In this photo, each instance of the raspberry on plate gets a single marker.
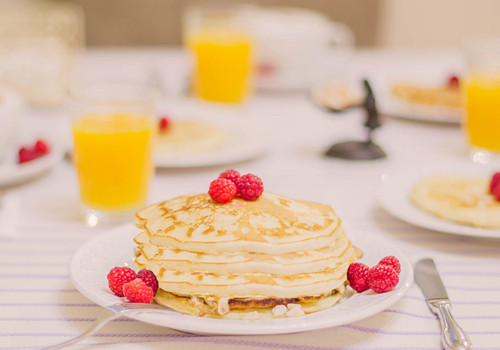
(454, 81)
(496, 193)
(164, 123)
(230, 174)
(391, 261)
(26, 155)
(382, 278)
(250, 187)
(357, 274)
(495, 181)
(29, 153)
(42, 147)
(137, 291)
(222, 190)
(148, 277)
(118, 276)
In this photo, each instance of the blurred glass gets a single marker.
(482, 98)
(218, 36)
(113, 135)
(39, 40)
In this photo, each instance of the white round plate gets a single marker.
(92, 262)
(242, 145)
(12, 173)
(394, 191)
(390, 106)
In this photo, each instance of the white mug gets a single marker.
(296, 46)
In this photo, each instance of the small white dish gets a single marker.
(393, 195)
(91, 263)
(12, 173)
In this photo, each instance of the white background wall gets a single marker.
(436, 23)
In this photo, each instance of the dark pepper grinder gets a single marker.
(362, 150)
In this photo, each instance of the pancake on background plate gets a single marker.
(184, 137)
(273, 257)
(443, 96)
(464, 200)
(441, 102)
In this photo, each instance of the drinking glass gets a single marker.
(112, 127)
(219, 38)
(482, 99)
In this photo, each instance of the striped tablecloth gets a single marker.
(39, 305)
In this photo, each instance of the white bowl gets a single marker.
(11, 107)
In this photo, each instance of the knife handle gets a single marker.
(452, 335)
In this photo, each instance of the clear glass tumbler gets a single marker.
(482, 99)
(112, 126)
(219, 39)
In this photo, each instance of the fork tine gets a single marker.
(135, 306)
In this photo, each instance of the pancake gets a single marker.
(190, 137)
(444, 96)
(244, 258)
(465, 200)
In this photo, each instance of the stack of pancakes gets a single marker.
(227, 260)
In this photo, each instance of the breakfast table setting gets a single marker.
(125, 184)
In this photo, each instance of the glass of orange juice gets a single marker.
(112, 126)
(482, 99)
(221, 45)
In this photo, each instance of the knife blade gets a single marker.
(427, 278)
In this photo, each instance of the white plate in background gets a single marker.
(391, 106)
(242, 143)
(393, 195)
(12, 173)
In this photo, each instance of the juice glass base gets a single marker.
(93, 217)
(484, 156)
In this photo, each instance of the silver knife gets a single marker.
(427, 278)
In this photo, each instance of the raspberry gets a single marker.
(26, 155)
(496, 193)
(230, 174)
(164, 123)
(41, 147)
(453, 81)
(222, 190)
(495, 180)
(250, 187)
(117, 277)
(138, 292)
(266, 69)
(357, 274)
(148, 277)
(382, 278)
(391, 261)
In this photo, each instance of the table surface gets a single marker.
(39, 305)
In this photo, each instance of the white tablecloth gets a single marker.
(39, 306)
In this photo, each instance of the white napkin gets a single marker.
(9, 213)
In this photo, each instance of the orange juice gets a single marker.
(482, 124)
(222, 65)
(112, 154)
